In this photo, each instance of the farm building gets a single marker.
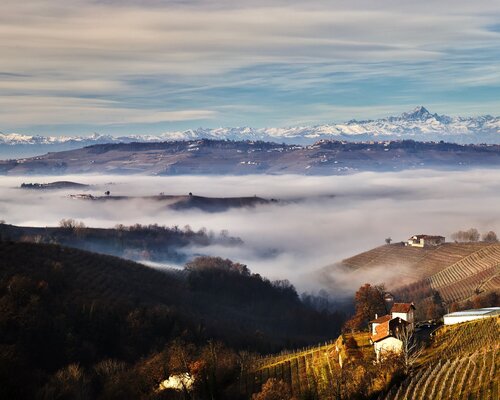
(425, 240)
(470, 315)
(385, 330)
(385, 338)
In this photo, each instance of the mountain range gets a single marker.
(418, 124)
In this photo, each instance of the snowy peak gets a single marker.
(418, 124)
(418, 113)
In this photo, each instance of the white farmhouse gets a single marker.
(425, 241)
(385, 330)
(470, 315)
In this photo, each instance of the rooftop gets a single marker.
(387, 329)
(383, 318)
(427, 237)
(402, 307)
(478, 312)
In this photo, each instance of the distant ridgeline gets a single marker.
(256, 157)
(184, 202)
(138, 242)
(54, 185)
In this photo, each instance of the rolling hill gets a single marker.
(460, 362)
(138, 242)
(458, 271)
(61, 307)
(250, 157)
(184, 202)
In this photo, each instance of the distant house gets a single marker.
(425, 241)
(470, 315)
(385, 330)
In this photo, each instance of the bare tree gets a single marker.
(411, 348)
(471, 235)
(490, 237)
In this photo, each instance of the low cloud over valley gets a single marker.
(319, 220)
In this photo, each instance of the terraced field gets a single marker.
(457, 270)
(463, 278)
(314, 371)
(462, 363)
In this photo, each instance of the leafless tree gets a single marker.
(471, 235)
(411, 348)
(490, 237)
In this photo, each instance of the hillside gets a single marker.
(54, 185)
(138, 242)
(254, 157)
(318, 372)
(61, 306)
(461, 363)
(457, 271)
(184, 202)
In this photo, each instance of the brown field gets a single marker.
(457, 270)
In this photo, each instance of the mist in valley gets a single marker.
(317, 222)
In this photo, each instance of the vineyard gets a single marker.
(315, 371)
(469, 377)
(461, 279)
(457, 271)
(461, 363)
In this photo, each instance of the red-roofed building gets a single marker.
(385, 329)
(386, 337)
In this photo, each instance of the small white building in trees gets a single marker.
(470, 315)
(425, 240)
(387, 329)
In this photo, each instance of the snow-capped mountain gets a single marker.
(418, 124)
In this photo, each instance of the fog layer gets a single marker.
(307, 231)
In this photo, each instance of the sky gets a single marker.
(151, 66)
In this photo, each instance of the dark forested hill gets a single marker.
(63, 307)
(249, 157)
(137, 242)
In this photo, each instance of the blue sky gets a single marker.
(132, 67)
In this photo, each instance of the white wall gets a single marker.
(462, 318)
(390, 344)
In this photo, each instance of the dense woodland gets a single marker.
(74, 324)
(136, 242)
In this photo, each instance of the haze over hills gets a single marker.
(209, 157)
(418, 124)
